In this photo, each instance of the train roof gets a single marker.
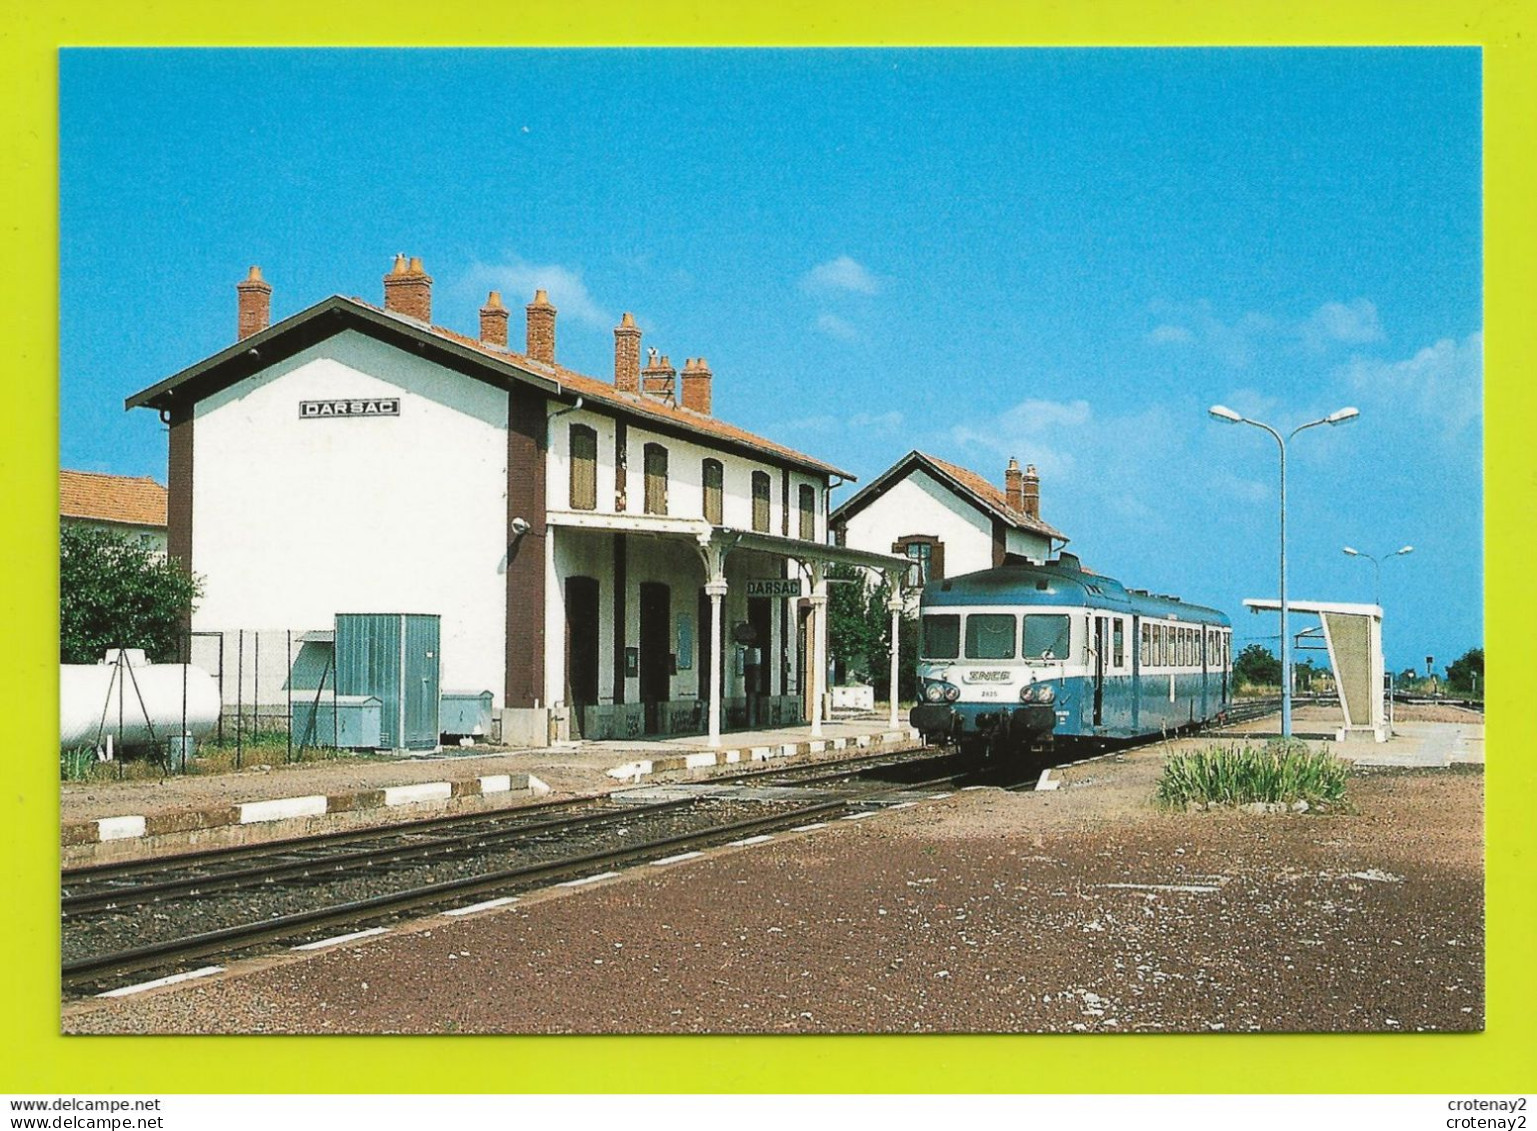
(1061, 581)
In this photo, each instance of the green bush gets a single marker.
(1280, 772)
(115, 592)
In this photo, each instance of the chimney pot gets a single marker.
(1032, 492)
(541, 328)
(627, 355)
(493, 321)
(659, 378)
(696, 385)
(253, 304)
(1014, 486)
(408, 289)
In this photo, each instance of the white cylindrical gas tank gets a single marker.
(136, 706)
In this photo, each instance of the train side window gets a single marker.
(941, 636)
(1145, 644)
(1118, 643)
(990, 636)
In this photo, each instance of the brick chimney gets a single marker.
(627, 355)
(1032, 492)
(696, 385)
(254, 304)
(541, 329)
(493, 321)
(408, 289)
(658, 378)
(1014, 485)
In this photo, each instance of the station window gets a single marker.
(584, 468)
(713, 477)
(760, 501)
(1118, 643)
(990, 636)
(941, 636)
(656, 479)
(808, 511)
(927, 555)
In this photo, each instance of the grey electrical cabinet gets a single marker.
(395, 658)
(348, 721)
(466, 713)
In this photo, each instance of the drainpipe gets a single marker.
(549, 420)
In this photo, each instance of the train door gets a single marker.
(1205, 641)
(655, 654)
(1101, 646)
(1226, 664)
(1136, 673)
(581, 646)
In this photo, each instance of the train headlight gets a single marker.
(1037, 693)
(934, 692)
(952, 693)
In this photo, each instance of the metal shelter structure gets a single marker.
(1353, 638)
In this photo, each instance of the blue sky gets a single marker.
(1065, 256)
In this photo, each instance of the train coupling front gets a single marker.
(1021, 726)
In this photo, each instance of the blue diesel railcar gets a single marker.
(1014, 659)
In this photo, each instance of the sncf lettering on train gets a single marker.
(352, 407)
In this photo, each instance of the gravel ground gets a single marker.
(1081, 909)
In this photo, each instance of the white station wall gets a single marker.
(295, 520)
(669, 561)
(917, 504)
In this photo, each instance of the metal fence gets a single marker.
(275, 687)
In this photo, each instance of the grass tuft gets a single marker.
(1280, 772)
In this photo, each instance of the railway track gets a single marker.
(158, 917)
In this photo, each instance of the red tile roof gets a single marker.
(994, 497)
(595, 389)
(134, 500)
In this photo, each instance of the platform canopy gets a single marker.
(1353, 637)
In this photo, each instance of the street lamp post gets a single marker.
(1228, 416)
(1377, 568)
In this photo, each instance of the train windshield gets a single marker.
(941, 637)
(1047, 636)
(990, 636)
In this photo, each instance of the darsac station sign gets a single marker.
(375, 406)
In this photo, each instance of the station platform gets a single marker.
(114, 820)
(1414, 742)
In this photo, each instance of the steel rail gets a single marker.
(85, 970)
(298, 844)
(345, 861)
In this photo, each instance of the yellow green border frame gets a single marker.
(36, 1059)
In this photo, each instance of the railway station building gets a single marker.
(606, 556)
(946, 520)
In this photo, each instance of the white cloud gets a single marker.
(518, 279)
(1234, 344)
(879, 423)
(822, 423)
(841, 274)
(1444, 381)
(1168, 334)
(835, 327)
(1353, 323)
